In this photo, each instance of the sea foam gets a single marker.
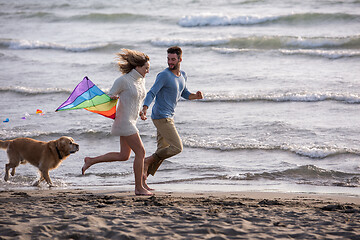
(301, 96)
(316, 152)
(20, 44)
(219, 19)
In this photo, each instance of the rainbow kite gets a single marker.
(87, 95)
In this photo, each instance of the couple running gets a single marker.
(169, 87)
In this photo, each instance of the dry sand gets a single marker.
(79, 214)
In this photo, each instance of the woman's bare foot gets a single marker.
(86, 165)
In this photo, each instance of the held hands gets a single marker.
(143, 113)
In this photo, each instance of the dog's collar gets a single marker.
(58, 152)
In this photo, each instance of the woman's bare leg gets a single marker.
(135, 143)
(123, 155)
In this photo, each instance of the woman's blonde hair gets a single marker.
(130, 59)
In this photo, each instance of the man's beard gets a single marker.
(175, 67)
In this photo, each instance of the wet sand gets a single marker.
(89, 214)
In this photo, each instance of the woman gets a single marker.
(130, 90)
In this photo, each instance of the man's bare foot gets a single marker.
(143, 192)
(86, 165)
(146, 186)
(147, 162)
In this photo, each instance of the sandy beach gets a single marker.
(107, 214)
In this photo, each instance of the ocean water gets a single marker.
(281, 81)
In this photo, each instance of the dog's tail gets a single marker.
(4, 144)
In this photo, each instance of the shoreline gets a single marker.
(109, 214)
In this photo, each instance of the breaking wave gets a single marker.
(300, 96)
(23, 44)
(307, 174)
(318, 152)
(327, 47)
(330, 47)
(324, 53)
(291, 42)
(348, 98)
(34, 91)
(266, 42)
(89, 133)
(208, 19)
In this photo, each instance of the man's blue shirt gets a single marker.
(167, 91)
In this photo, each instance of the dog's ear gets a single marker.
(52, 146)
(63, 144)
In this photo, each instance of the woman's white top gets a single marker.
(130, 88)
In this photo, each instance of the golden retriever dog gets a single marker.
(43, 155)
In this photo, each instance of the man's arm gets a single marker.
(197, 95)
(159, 83)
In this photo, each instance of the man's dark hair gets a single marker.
(175, 49)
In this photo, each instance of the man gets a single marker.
(169, 87)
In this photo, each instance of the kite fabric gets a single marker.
(88, 96)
